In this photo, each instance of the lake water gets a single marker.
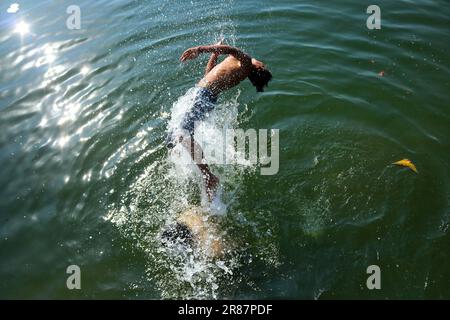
(86, 179)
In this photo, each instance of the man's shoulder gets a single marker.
(245, 62)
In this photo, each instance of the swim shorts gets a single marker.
(204, 102)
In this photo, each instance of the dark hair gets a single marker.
(260, 78)
(178, 233)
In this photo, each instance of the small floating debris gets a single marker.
(406, 163)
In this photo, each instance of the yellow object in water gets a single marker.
(406, 163)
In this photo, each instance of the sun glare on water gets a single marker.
(85, 70)
(22, 28)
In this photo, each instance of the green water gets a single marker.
(86, 180)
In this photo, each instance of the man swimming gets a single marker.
(235, 68)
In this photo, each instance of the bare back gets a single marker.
(227, 74)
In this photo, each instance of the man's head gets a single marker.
(193, 229)
(259, 75)
(178, 233)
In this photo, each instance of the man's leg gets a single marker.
(210, 181)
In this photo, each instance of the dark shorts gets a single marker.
(203, 103)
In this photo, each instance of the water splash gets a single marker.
(169, 186)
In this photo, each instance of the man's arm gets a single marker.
(212, 60)
(193, 53)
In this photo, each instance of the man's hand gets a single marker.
(190, 54)
(213, 59)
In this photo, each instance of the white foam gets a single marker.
(224, 116)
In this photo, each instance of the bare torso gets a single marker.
(227, 74)
(218, 78)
